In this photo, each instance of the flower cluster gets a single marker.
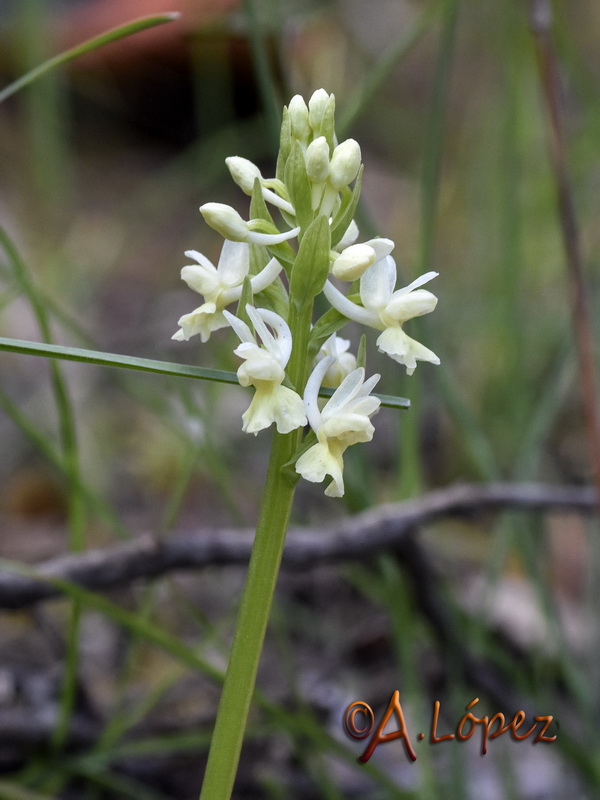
(275, 285)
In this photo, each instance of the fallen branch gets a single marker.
(353, 538)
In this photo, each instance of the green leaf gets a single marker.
(311, 267)
(114, 360)
(361, 357)
(86, 47)
(246, 298)
(298, 185)
(328, 123)
(283, 252)
(331, 322)
(259, 256)
(340, 226)
(258, 207)
(274, 297)
(144, 365)
(285, 144)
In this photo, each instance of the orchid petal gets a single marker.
(266, 276)
(267, 338)
(254, 237)
(234, 263)
(420, 281)
(348, 308)
(403, 307)
(311, 392)
(348, 388)
(239, 326)
(377, 284)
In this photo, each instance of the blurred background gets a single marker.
(103, 165)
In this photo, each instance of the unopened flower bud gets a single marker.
(353, 262)
(299, 118)
(243, 172)
(226, 221)
(345, 163)
(317, 160)
(316, 109)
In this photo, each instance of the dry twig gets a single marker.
(353, 538)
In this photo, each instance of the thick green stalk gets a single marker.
(258, 593)
(251, 626)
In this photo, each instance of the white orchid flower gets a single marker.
(245, 172)
(226, 221)
(298, 112)
(220, 285)
(343, 363)
(317, 106)
(343, 421)
(387, 310)
(343, 169)
(353, 261)
(264, 368)
(344, 164)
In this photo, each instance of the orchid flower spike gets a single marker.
(343, 421)
(264, 368)
(387, 310)
(220, 285)
(226, 221)
(343, 363)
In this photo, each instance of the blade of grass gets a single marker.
(46, 119)
(312, 760)
(116, 360)
(70, 456)
(356, 106)
(46, 447)
(86, 47)
(12, 791)
(266, 83)
(410, 476)
(295, 724)
(119, 785)
(149, 365)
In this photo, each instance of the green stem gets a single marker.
(251, 626)
(258, 593)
